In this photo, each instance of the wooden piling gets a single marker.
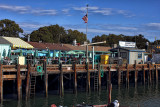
(1, 84)
(88, 78)
(156, 73)
(109, 74)
(45, 78)
(19, 83)
(61, 81)
(99, 77)
(127, 78)
(28, 82)
(75, 79)
(109, 92)
(136, 74)
(144, 74)
(119, 76)
(150, 75)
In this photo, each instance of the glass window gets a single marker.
(123, 54)
(139, 55)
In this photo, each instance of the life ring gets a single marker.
(39, 69)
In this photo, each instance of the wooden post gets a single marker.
(61, 81)
(1, 84)
(88, 78)
(109, 92)
(45, 78)
(136, 74)
(127, 66)
(75, 79)
(19, 83)
(99, 76)
(144, 74)
(119, 76)
(150, 75)
(28, 82)
(156, 74)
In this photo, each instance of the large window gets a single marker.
(123, 54)
(139, 55)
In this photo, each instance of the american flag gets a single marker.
(85, 18)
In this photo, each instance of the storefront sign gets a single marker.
(127, 44)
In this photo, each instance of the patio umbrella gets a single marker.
(71, 52)
(80, 52)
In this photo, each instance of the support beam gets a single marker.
(150, 74)
(127, 76)
(1, 83)
(136, 74)
(88, 78)
(144, 75)
(28, 81)
(156, 73)
(75, 79)
(19, 83)
(45, 78)
(99, 77)
(119, 76)
(61, 81)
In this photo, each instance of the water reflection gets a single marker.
(145, 96)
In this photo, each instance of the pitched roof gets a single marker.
(66, 47)
(4, 41)
(50, 46)
(18, 43)
(83, 48)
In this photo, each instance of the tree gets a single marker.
(57, 34)
(9, 28)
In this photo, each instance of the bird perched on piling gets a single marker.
(114, 104)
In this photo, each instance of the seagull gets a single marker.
(114, 104)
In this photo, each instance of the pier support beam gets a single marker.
(156, 73)
(75, 79)
(19, 83)
(61, 81)
(144, 75)
(88, 78)
(119, 76)
(99, 77)
(1, 84)
(127, 76)
(28, 81)
(150, 74)
(45, 78)
(136, 74)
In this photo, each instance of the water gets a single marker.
(145, 96)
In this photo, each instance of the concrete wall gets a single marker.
(134, 56)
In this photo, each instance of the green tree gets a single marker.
(9, 28)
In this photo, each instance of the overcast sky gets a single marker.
(128, 17)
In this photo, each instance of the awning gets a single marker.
(18, 43)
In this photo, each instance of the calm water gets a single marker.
(145, 96)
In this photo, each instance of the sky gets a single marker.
(127, 17)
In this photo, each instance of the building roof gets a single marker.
(67, 47)
(128, 49)
(4, 41)
(18, 43)
(50, 46)
(83, 48)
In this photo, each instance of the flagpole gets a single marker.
(86, 37)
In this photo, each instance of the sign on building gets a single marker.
(127, 44)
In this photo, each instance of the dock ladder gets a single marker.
(32, 85)
(96, 80)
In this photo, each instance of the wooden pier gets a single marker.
(122, 73)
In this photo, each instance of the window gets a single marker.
(123, 54)
(139, 55)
